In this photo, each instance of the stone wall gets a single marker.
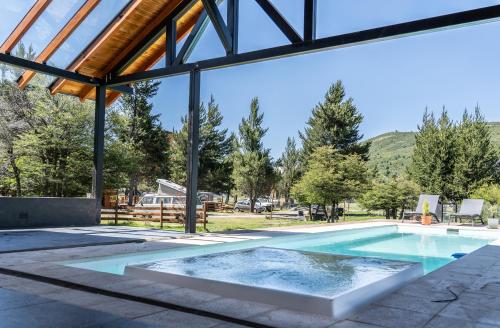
(46, 212)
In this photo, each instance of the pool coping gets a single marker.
(40, 265)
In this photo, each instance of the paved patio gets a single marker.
(35, 291)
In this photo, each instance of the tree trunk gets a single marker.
(333, 215)
(15, 170)
(132, 189)
(252, 205)
(310, 212)
(402, 212)
(394, 213)
(387, 213)
(326, 213)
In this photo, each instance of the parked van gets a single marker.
(154, 200)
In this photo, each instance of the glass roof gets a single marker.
(93, 25)
(11, 14)
(53, 19)
(49, 24)
(334, 17)
(345, 16)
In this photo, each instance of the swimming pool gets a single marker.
(433, 250)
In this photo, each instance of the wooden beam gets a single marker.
(147, 37)
(113, 26)
(112, 66)
(59, 39)
(24, 25)
(137, 40)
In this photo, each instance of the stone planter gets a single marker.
(493, 223)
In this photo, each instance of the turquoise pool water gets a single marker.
(386, 242)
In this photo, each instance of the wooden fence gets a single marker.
(218, 207)
(162, 214)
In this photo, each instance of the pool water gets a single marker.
(386, 242)
(318, 273)
(433, 251)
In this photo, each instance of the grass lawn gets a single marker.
(230, 222)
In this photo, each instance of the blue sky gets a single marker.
(391, 82)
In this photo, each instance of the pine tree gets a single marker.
(253, 170)
(453, 159)
(147, 136)
(475, 162)
(335, 122)
(215, 149)
(289, 168)
(434, 155)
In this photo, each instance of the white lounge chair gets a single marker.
(435, 207)
(470, 209)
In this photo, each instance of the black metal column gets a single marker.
(100, 107)
(192, 155)
(233, 10)
(171, 31)
(310, 20)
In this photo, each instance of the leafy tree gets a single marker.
(15, 116)
(335, 122)
(215, 149)
(331, 177)
(289, 166)
(390, 195)
(55, 153)
(491, 194)
(15, 112)
(253, 172)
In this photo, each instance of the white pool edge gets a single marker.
(338, 307)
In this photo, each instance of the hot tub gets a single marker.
(320, 283)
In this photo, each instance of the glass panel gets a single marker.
(345, 16)
(11, 14)
(257, 30)
(87, 31)
(48, 25)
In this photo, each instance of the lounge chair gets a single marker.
(435, 207)
(470, 209)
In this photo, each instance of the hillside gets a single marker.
(391, 152)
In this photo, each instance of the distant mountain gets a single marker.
(391, 152)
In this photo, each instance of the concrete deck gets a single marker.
(37, 292)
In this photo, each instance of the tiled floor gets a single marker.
(51, 306)
(53, 295)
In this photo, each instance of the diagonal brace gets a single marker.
(192, 39)
(280, 21)
(219, 24)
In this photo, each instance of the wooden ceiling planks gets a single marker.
(59, 39)
(156, 51)
(28, 20)
(121, 38)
